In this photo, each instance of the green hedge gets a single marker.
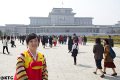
(115, 38)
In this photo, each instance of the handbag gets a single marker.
(75, 51)
(112, 53)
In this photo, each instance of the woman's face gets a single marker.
(104, 41)
(33, 43)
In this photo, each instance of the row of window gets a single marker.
(59, 30)
(60, 22)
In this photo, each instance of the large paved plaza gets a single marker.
(60, 63)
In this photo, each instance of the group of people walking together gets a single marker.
(103, 52)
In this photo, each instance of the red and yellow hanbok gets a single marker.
(27, 68)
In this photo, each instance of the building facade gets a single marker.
(60, 21)
(61, 17)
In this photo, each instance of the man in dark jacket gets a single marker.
(70, 43)
(111, 42)
(98, 51)
(50, 41)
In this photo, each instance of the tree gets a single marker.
(1, 33)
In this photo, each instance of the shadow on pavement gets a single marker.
(81, 52)
(86, 66)
(54, 48)
(86, 45)
(1, 52)
(112, 78)
(5, 53)
(117, 56)
(46, 48)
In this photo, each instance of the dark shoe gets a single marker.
(102, 76)
(8, 52)
(104, 72)
(74, 63)
(94, 72)
(69, 51)
(3, 53)
(114, 74)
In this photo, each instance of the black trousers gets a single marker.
(6, 48)
(13, 45)
(74, 59)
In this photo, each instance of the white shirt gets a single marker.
(75, 46)
(5, 42)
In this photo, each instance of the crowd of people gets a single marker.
(101, 52)
(45, 40)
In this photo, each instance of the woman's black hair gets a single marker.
(31, 36)
(98, 41)
(107, 41)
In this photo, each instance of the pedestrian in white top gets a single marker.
(75, 50)
(5, 45)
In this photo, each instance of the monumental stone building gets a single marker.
(60, 21)
(61, 17)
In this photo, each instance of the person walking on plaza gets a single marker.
(61, 39)
(70, 43)
(5, 44)
(84, 40)
(46, 40)
(64, 39)
(23, 39)
(98, 51)
(43, 41)
(80, 40)
(31, 64)
(111, 42)
(50, 41)
(2, 38)
(108, 61)
(75, 38)
(13, 42)
(54, 40)
(75, 51)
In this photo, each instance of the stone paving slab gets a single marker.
(60, 62)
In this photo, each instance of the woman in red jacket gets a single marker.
(31, 64)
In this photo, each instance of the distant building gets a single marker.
(61, 21)
(61, 17)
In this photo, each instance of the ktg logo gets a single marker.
(6, 77)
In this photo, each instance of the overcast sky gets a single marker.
(104, 12)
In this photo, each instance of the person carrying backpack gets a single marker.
(108, 60)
